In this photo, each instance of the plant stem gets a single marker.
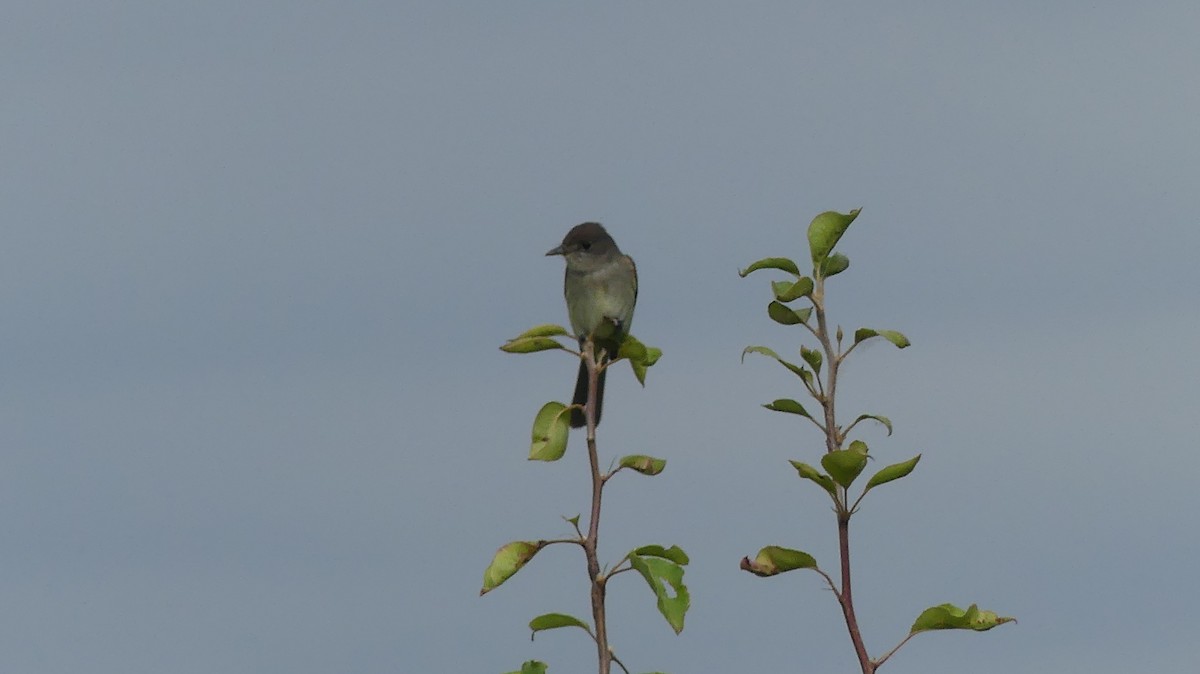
(846, 596)
(833, 442)
(590, 543)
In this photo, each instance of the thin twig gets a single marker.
(833, 443)
(882, 660)
(590, 542)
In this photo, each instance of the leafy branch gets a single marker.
(662, 568)
(842, 463)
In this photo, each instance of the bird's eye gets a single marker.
(585, 245)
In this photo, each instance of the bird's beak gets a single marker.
(556, 251)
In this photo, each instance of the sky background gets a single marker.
(257, 258)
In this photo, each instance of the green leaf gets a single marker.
(785, 315)
(771, 263)
(863, 334)
(653, 353)
(774, 560)
(574, 521)
(950, 617)
(640, 356)
(763, 350)
(659, 574)
(876, 417)
(551, 427)
(550, 621)
(646, 465)
(844, 465)
(858, 446)
(809, 473)
(531, 667)
(825, 231)
(546, 330)
(892, 472)
(796, 369)
(673, 553)
(531, 345)
(812, 357)
(834, 265)
(507, 561)
(786, 291)
(803, 374)
(788, 405)
(631, 348)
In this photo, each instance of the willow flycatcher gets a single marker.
(601, 287)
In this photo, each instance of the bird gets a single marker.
(600, 286)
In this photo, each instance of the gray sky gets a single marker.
(258, 256)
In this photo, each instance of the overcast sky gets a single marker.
(257, 257)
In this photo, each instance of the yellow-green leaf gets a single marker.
(545, 330)
(892, 472)
(673, 553)
(786, 291)
(550, 621)
(825, 230)
(950, 617)
(844, 465)
(774, 560)
(507, 561)
(892, 336)
(788, 405)
(661, 574)
(820, 479)
(646, 465)
(531, 345)
(771, 263)
(551, 427)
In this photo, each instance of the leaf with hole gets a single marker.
(665, 578)
(673, 553)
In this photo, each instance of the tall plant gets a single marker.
(661, 567)
(843, 460)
